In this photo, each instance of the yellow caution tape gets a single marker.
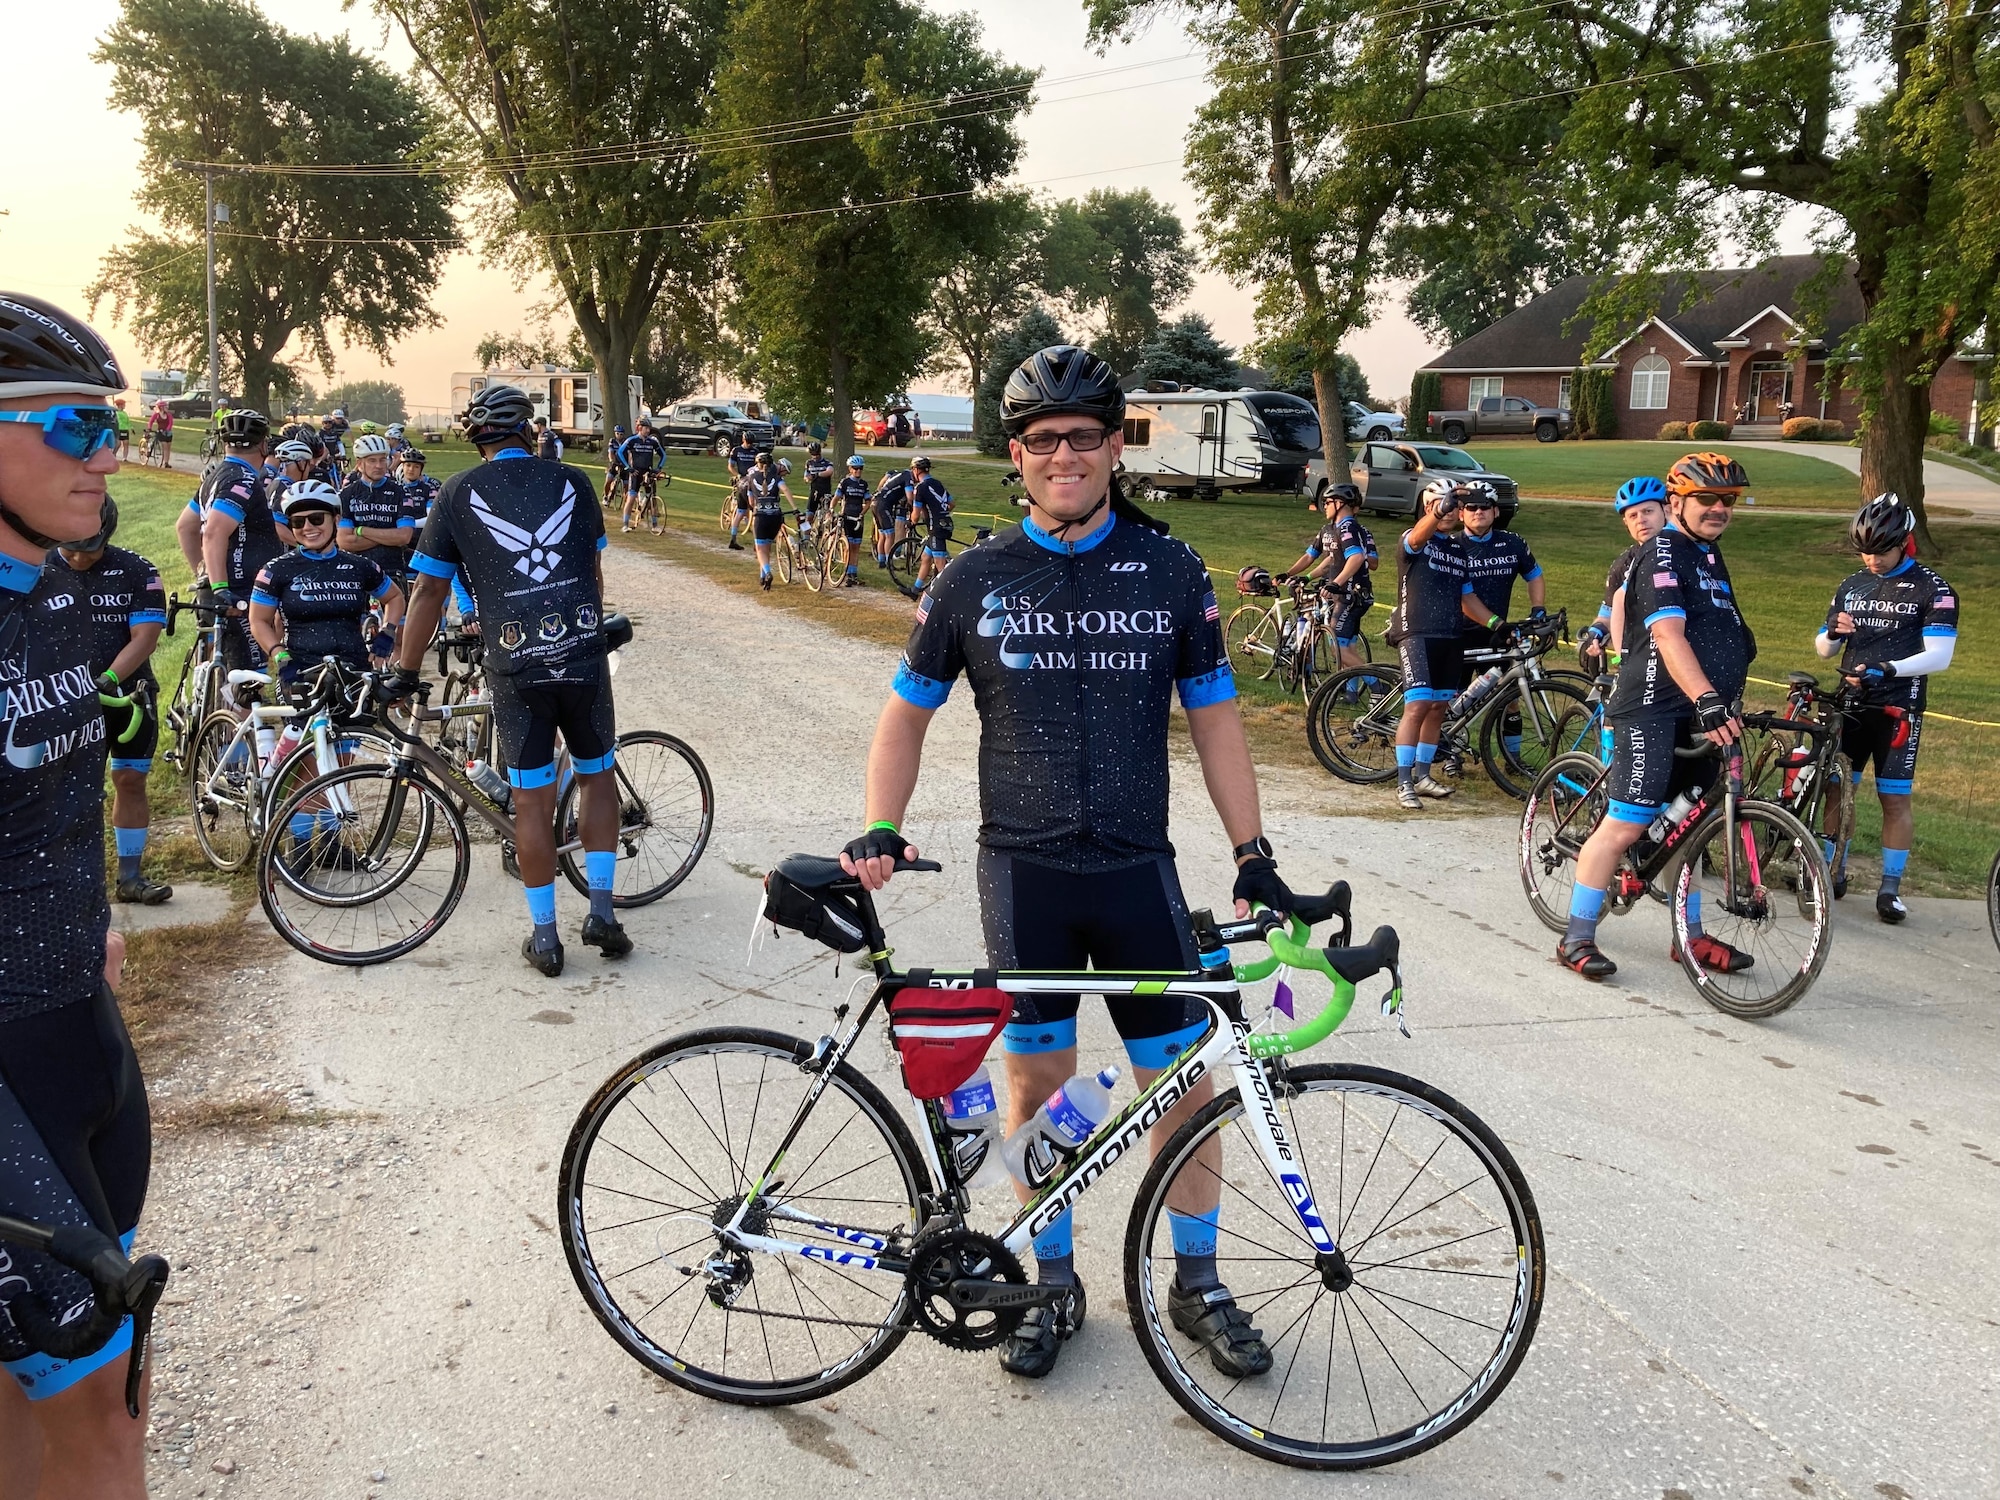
(1929, 713)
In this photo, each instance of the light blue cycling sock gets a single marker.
(1893, 863)
(600, 868)
(854, 570)
(1055, 1253)
(302, 825)
(1586, 910)
(542, 912)
(1425, 755)
(1829, 849)
(1406, 764)
(1694, 914)
(131, 844)
(1512, 744)
(1194, 1248)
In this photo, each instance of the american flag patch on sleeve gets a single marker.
(1945, 601)
(1663, 580)
(924, 607)
(1210, 610)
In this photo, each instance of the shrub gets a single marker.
(1831, 431)
(1800, 430)
(1426, 395)
(1942, 425)
(1709, 432)
(1592, 404)
(1673, 432)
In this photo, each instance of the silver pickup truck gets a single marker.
(1501, 416)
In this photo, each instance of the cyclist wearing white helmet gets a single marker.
(312, 602)
(376, 516)
(853, 494)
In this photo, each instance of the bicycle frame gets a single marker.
(326, 758)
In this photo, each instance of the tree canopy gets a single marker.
(1118, 259)
(1036, 329)
(1187, 352)
(988, 284)
(369, 401)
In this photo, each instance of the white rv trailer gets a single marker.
(1199, 443)
(572, 400)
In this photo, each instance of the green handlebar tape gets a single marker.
(882, 823)
(1294, 947)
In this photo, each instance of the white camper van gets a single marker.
(572, 400)
(1199, 443)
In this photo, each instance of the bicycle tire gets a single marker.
(1840, 772)
(1542, 706)
(1741, 918)
(905, 558)
(1495, 1273)
(785, 558)
(658, 801)
(1356, 740)
(382, 913)
(812, 564)
(224, 811)
(1247, 639)
(1992, 898)
(1552, 829)
(606, 1272)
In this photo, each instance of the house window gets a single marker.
(1562, 391)
(1480, 387)
(1649, 383)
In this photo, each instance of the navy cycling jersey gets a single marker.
(766, 492)
(1074, 654)
(1431, 586)
(641, 454)
(1344, 538)
(524, 533)
(383, 505)
(1616, 575)
(236, 490)
(53, 914)
(853, 494)
(1677, 576)
(420, 493)
(324, 597)
(1896, 616)
(894, 490)
(929, 495)
(122, 590)
(742, 458)
(1493, 562)
(819, 477)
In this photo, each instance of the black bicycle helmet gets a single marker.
(46, 352)
(1884, 524)
(1341, 494)
(813, 449)
(244, 428)
(300, 432)
(1059, 379)
(496, 413)
(920, 464)
(412, 456)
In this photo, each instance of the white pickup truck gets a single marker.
(1375, 426)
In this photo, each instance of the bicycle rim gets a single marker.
(1539, 708)
(1392, 1345)
(812, 563)
(1993, 898)
(223, 791)
(905, 557)
(1778, 909)
(1351, 722)
(352, 870)
(786, 560)
(668, 1148)
(1248, 640)
(1562, 807)
(666, 811)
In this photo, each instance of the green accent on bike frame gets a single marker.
(1150, 987)
(1294, 948)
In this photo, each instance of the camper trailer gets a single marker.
(572, 400)
(1199, 443)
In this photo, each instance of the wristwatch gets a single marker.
(1257, 848)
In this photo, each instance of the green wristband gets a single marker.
(882, 823)
(1491, 621)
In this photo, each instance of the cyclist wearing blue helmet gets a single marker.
(1642, 506)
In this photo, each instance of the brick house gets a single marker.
(1736, 353)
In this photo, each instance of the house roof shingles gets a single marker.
(1538, 335)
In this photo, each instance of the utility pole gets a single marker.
(208, 222)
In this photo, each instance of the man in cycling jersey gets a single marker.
(853, 494)
(641, 457)
(930, 501)
(1894, 624)
(526, 534)
(1434, 600)
(614, 469)
(769, 499)
(1077, 627)
(1642, 505)
(1687, 653)
(238, 532)
(128, 610)
(75, 1141)
(1494, 559)
(1343, 547)
(892, 500)
(742, 459)
(819, 482)
(376, 516)
(333, 430)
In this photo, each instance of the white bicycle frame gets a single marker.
(326, 753)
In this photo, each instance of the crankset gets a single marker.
(968, 1291)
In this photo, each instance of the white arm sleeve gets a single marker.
(1935, 657)
(1826, 645)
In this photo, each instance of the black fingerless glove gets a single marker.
(1711, 713)
(877, 843)
(1257, 882)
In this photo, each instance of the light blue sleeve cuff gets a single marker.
(1218, 686)
(344, 524)
(463, 596)
(1352, 552)
(432, 567)
(264, 597)
(1941, 630)
(603, 542)
(228, 507)
(1671, 613)
(1533, 573)
(159, 617)
(1467, 589)
(1603, 611)
(382, 588)
(918, 690)
(1312, 549)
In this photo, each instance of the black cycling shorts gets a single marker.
(851, 526)
(1038, 917)
(71, 1099)
(527, 716)
(886, 512)
(135, 754)
(1347, 623)
(1887, 740)
(1645, 772)
(940, 534)
(765, 528)
(240, 651)
(1433, 667)
(742, 504)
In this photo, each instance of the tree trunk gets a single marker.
(1892, 446)
(258, 375)
(841, 422)
(1332, 423)
(977, 366)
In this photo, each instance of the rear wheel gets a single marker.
(905, 558)
(223, 791)
(786, 558)
(1777, 908)
(1563, 806)
(1351, 723)
(1520, 736)
(1252, 641)
(666, 810)
(1992, 897)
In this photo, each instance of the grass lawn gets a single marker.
(1594, 470)
(1785, 567)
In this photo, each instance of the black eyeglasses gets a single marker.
(1080, 440)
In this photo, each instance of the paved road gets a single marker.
(1771, 1245)
(1943, 484)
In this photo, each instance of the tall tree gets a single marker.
(988, 284)
(1288, 361)
(1120, 258)
(578, 116)
(1037, 329)
(1879, 117)
(370, 401)
(847, 220)
(1187, 352)
(304, 258)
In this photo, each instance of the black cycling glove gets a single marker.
(877, 843)
(1257, 882)
(382, 644)
(1711, 713)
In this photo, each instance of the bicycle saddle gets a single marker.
(240, 677)
(617, 630)
(1801, 680)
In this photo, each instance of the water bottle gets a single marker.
(492, 785)
(974, 1115)
(267, 746)
(1670, 817)
(1475, 692)
(288, 741)
(1065, 1121)
(1797, 764)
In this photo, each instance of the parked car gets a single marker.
(871, 428)
(1498, 416)
(195, 403)
(1376, 426)
(1392, 475)
(710, 427)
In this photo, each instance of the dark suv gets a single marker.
(710, 427)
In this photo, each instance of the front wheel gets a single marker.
(1566, 802)
(905, 559)
(1520, 736)
(1351, 723)
(1252, 641)
(1397, 1333)
(1545, 432)
(1992, 898)
(225, 794)
(666, 810)
(1760, 885)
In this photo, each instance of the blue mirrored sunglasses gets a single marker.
(75, 431)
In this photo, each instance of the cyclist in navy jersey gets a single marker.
(1495, 559)
(526, 536)
(1894, 625)
(1077, 628)
(1687, 653)
(1434, 601)
(314, 601)
(929, 497)
(614, 469)
(1642, 505)
(769, 500)
(128, 610)
(892, 500)
(418, 487)
(638, 456)
(239, 534)
(853, 496)
(819, 481)
(377, 518)
(742, 459)
(1343, 549)
(75, 1141)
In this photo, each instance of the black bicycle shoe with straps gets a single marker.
(546, 961)
(1213, 1320)
(1032, 1348)
(1585, 959)
(609, 938)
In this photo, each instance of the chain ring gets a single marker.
(939, 1259)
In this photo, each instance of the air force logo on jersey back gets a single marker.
(537, 558)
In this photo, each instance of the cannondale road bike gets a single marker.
(754, 1220)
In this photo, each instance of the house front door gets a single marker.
(1770, 390)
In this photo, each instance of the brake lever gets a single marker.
(154, 1270)
(1392, 1000)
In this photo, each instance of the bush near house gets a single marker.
(1709, 432)
(1673, 432)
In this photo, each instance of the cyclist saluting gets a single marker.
(1077, 627)
(73, 1118)
(1687, 654)
(1894, 624)
(525, 534)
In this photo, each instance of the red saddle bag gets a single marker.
(942, 1031)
